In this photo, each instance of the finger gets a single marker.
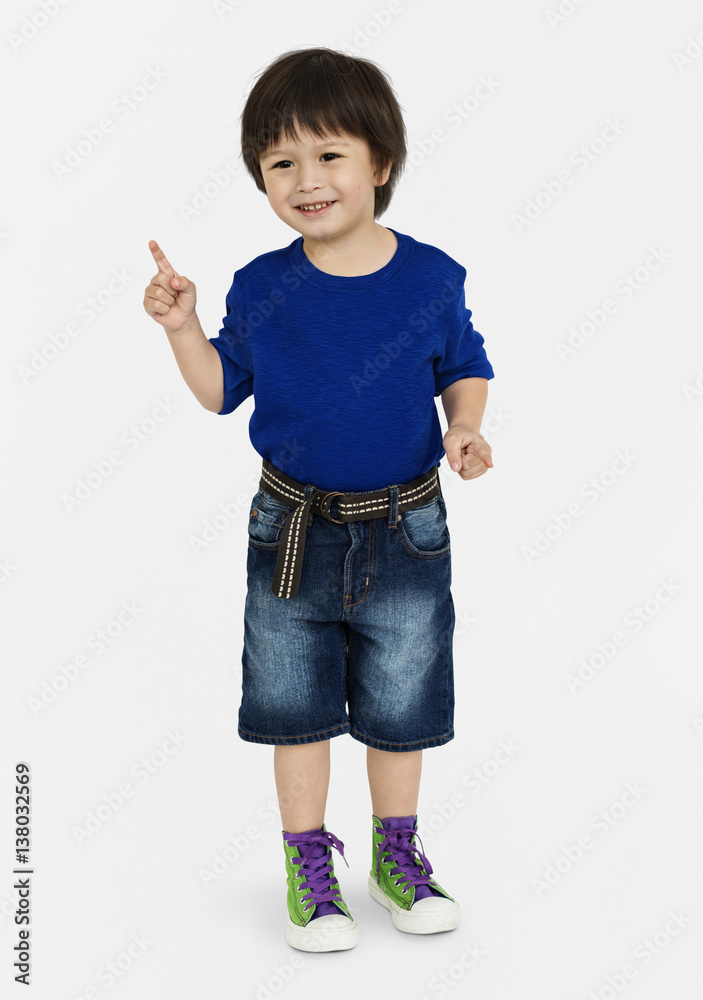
(471, 463)
(161, 280)
(483, 452)
(162, 292)
(161, 260)
(480, 470)
(160, 308)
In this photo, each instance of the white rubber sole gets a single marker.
(333, 932)
(428, 916)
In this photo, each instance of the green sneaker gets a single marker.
(318, 917)
(400, 880)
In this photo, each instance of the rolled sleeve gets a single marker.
(234, 349)
(462, 352)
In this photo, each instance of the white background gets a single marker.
(542, 925)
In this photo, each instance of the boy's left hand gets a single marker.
(468, 452)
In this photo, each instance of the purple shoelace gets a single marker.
(398, 832)
(319, 878)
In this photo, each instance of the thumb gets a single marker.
(182, 284)
(454, 457)
(452, 449)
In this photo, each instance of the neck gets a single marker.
(353, 254)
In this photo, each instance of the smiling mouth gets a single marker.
(324, 205)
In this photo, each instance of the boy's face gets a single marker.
(314, 171)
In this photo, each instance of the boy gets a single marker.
(344, 337)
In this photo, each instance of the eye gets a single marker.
(282, 162)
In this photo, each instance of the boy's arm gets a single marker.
(468, 452)
(464, 402)
(200, 364)
(170, 299)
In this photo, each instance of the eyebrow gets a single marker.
(330, 142)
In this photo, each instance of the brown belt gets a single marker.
(386, 502)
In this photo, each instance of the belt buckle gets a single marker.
(328, 517)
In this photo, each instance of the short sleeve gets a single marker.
(463, 354)
(235, 350)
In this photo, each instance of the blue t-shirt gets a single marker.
(344, 370)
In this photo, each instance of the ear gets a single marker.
(381, 174)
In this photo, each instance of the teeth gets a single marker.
(310, 208)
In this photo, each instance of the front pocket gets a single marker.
(266, 519)
(424, 531)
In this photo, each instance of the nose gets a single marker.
(308, 177)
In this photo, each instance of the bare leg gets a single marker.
(302, 774)
(394, 781)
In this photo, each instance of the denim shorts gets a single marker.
(365, 646)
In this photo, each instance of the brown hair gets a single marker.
(325, 91)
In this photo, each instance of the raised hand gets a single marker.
(169, 298)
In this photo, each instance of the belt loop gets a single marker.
(393, 506)
(309, 490)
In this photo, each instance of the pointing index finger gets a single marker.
(161, 260)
